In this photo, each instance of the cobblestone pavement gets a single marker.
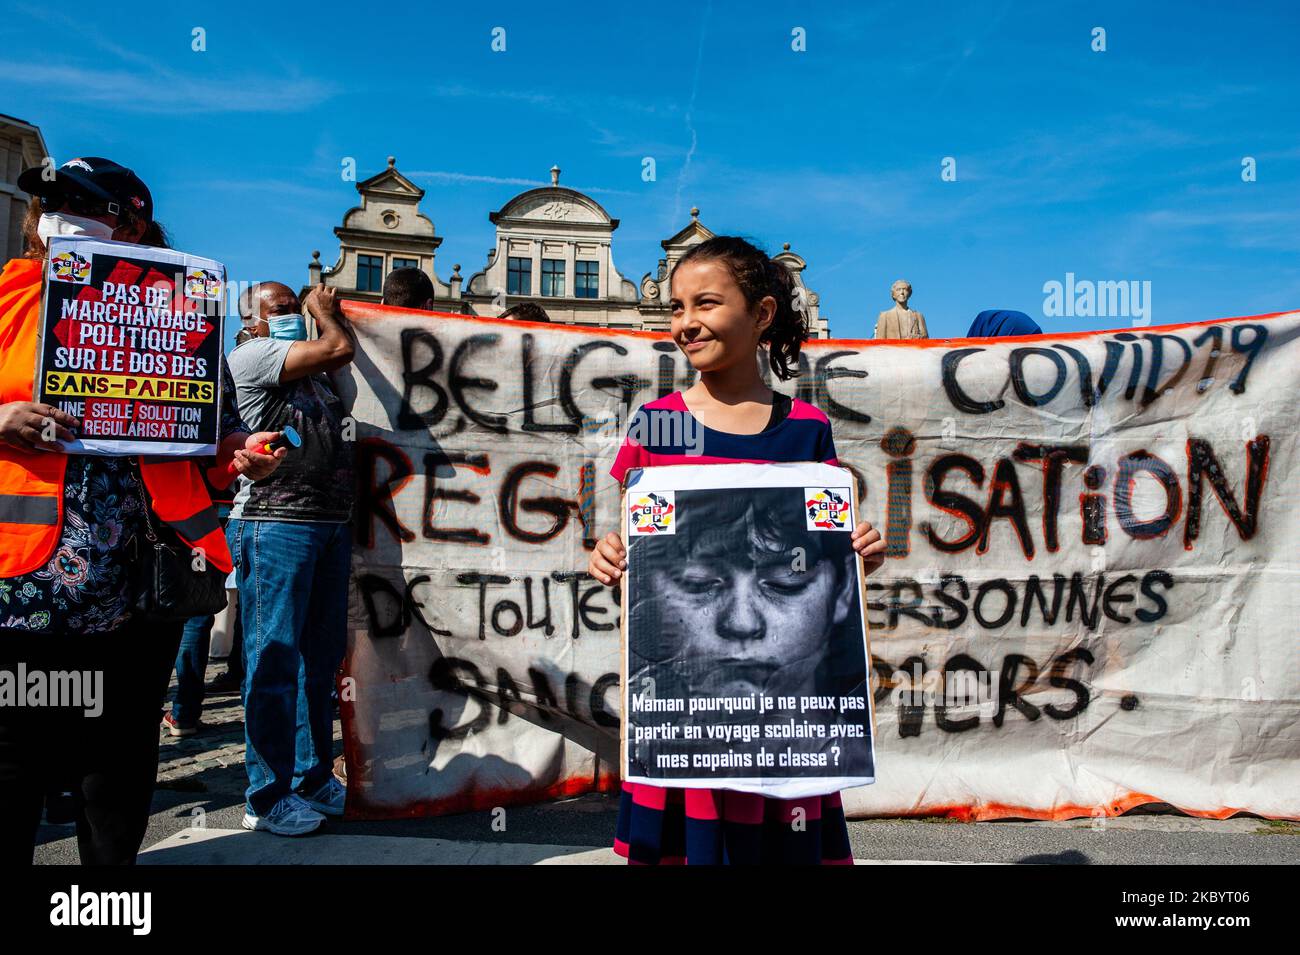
(213, 760)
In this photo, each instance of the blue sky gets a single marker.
(1122, 165)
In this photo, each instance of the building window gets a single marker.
(370, 273)
(586, 279)
(405, 263)
(553, 277)
(519, 276)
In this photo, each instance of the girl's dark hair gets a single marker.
(758, 277)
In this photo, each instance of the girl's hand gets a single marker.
(869, 545)
(609, 559)
(25, 424)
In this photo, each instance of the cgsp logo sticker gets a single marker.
(652, 512)
(200, 283)
(70, 267)
(827, 508)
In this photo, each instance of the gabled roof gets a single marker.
(522, 201)
(517, 207)
(792, 259)
(693, 233)
(390, 182)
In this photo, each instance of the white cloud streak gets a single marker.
(167, 92)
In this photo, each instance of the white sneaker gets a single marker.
(291, 816)
(329, 799)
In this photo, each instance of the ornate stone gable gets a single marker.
(553, 247)
(386, 231)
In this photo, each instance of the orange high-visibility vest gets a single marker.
(31, 482)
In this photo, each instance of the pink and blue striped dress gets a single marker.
(669, 826)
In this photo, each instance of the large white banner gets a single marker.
(1090, 600)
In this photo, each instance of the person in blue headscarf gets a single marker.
(1000, 322)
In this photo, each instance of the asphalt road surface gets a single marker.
(201, 783)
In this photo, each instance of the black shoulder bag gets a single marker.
(168, 586)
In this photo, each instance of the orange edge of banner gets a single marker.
(987, 812)
(369, 310)
(478, 800)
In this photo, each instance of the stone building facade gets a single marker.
(21, 146)
(387, 231)
(554, 246)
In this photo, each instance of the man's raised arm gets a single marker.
(335, 346)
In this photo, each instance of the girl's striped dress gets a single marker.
(666, 826)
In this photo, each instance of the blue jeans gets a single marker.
(235, 661)
(293, 602)
(191, 667)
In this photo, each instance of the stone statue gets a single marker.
(901, 321)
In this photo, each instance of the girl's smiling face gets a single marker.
(712, 323)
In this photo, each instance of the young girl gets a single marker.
(729, 300)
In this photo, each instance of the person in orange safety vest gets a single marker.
(69, 525)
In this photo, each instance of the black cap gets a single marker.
(92, 177)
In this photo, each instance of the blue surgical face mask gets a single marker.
(289, 328)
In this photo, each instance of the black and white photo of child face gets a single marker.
(744, 599)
